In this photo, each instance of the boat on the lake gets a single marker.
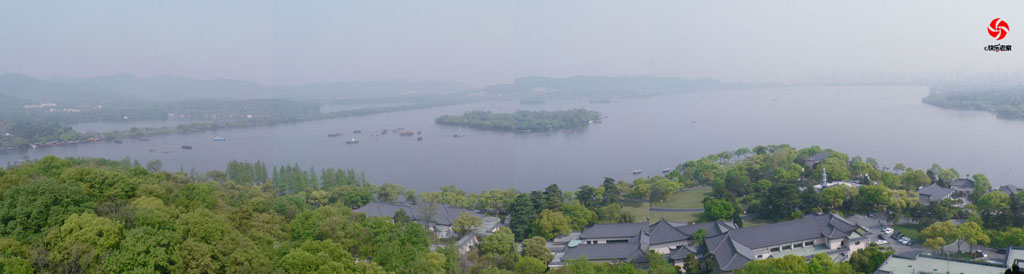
(458, 135)
(219, 139)
(357, 131)
(384, 131)
(334, 134)
(186, 147)
(419, 138)
(152, 150)
(419, 132)
(352, 141)
(118, 141)
(667, 170)
(638, 171)
(167, 151)
(405, 133)
(144, 139)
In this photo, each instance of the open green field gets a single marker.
(755, 222)
(641, 212)
(691, 198)
(675, 216)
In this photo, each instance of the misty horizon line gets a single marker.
(393, 80)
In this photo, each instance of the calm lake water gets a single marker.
(887, 123)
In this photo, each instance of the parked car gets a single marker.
(888, 230)
(881, 242)
(881, 236)
(979, 254)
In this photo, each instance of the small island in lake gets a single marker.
(522, 120)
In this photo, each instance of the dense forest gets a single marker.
(1005, 102)
(522, 120)
(93, 215)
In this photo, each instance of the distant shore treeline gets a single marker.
(1005, 102)
(522, 120)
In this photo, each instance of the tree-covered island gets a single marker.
(1005, 102)
(523, 121)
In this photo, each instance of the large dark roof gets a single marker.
(963, 183)
(935, 192)
(445, 214)
(732, 249)
(611, 251)
(664, 232)
(622, 230)
(681, 252)
(1010, 189)
(712, 228)
(729, 254)
(809, 227)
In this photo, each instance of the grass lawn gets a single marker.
(911, 231)
(642, 213)
(674, 216)
(755, 222)
(638, 211)
(692, 198)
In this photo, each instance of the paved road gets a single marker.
(877, 223)
(676, 209)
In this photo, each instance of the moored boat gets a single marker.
(352, 141)
(638, 171)
(419, 138)
(357, 131)
(667, 170)
(334, 134)
(219, 139)
(186, 147)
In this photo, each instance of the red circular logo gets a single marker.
(998, 29)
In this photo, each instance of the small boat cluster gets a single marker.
(400, 131)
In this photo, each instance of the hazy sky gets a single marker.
(486, 42)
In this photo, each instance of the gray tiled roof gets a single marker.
(623, 230)
(1010, 189)
(612, 251)
(445, 214)
(732, 249)
(809, 227)
(934, 192)
(962, 183)
(712, 228)
(729, 254)
(663, 232)
(681, 252)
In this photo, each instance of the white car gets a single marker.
(887, 230)
(881, 242)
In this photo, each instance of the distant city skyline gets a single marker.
(284, 43)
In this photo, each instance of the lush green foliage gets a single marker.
(1004, 102)
(522, 120)
(115, 217)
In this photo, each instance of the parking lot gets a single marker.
(877, 223)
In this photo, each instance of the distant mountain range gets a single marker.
(597, 87)
(125, 87)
